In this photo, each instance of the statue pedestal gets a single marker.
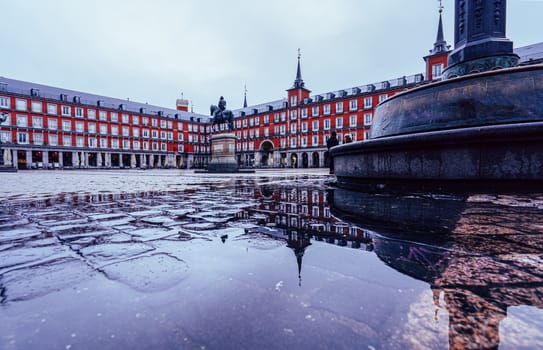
(223, 153)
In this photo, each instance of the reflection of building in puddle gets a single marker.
(485, 259)
(298, 215)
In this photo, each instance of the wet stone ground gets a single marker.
(272, 260)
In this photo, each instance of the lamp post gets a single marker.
(3, 118)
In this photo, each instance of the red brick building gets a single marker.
(49, 127)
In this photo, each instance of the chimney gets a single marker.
(182, 105)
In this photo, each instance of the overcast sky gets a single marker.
(152, 51)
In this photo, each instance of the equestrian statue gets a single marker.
(222, 115)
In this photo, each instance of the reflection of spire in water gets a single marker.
(298, 243)
(299, 256)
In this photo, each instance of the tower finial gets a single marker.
(245, 97)
(299, 83)
(440, 45)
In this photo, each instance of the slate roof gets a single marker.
(54, 93)
(343, 93)
(529, 53)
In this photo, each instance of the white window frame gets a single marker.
(21, 121)
(52, 139)
(37, 138)
(352, 120)
(66, 125)
(79, 127)
(437, 70)
(22, 138)
(293, 142)
(5, 102)
(52, 123)
(367, 119)
(67, 140)
(52, 109)
(37, 122)
(36, 106)
(368, 102)
(21, 104)
(66, 111)
(353, 105)
(339, 123)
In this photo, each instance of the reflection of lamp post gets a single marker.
(3, 118)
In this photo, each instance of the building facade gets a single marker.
(49, 127)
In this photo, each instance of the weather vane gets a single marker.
(440, 6)
(299, 54)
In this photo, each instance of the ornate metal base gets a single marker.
(480, 65)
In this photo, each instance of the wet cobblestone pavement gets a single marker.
(272, 260)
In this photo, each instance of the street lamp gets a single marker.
(3, 118)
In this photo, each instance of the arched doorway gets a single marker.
(37, 159)
(305, 160)
(67, 159)
(21, 159)
(316, 160)
(266, 154)
(115, 160)
(283, 160)
(93, 159)
(126, 161)
(294, 160)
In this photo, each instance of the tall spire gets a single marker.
(440, 45)
(298, 83)
(245, 97)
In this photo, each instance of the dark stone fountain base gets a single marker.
(480, 155)
(480, 129)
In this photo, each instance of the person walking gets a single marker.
(331, 142)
